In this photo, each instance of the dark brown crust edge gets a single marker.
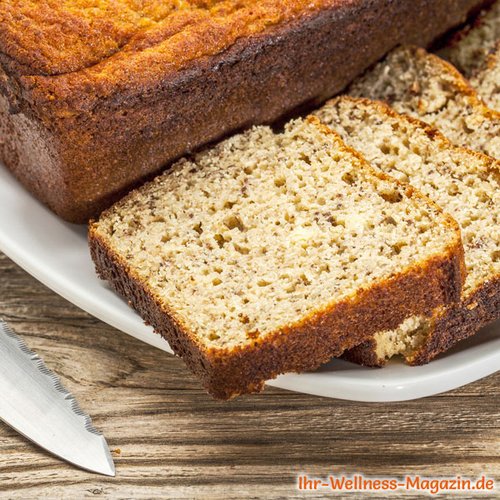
(301, 347)
(455, 324)
(461, 322)
(79, 165)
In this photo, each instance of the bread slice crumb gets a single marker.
(273, 252)
(463, 182)
(426, 87)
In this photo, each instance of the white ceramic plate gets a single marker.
(56, 253)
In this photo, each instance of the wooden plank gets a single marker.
(171, 440)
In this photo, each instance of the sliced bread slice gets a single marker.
(487, 80)
(464, 183)
(475, 52)
(273, 252)
(469, 47)
(427, 87)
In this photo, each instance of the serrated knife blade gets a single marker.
(34, 403)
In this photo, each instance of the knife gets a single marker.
(34, 403)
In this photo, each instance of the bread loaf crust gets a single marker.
(446, 328)
(79, 144)
(305, 346)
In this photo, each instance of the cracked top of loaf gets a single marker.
(56, 37)
(68, 55)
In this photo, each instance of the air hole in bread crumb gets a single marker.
(335, 222)
(244, 318)
(219, 239)
(391, 196)
(349, 178)
(305, 158)
(483, 197)
(241, 249)
(305, 279)
(234, 222)
(390, 220)
(279, 181)
(385, 149)
(262, 282)
(397, 247)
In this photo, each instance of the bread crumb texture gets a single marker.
(405, 340)
(464, 183)
(425, 86)
(475, 51)
(469, 48)
(268, 228)
(487, 80)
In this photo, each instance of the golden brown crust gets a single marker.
(104, 118)
(364, 354)
(52, 38)
(460, 323)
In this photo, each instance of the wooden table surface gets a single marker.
(171, 440)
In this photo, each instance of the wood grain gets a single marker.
(170, 440)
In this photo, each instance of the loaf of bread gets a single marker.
(425, 86)
(464, 183)
(97, 96)
(475, 51)
(274, 252)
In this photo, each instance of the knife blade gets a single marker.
(34, 402)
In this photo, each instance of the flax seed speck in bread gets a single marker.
(475, 51)
(273, 252)
(425, 86)
(464, 183)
